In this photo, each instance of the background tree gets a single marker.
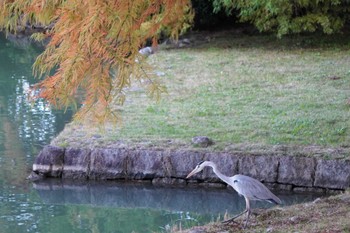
(206, 18)
(285, 17)
(93, 47)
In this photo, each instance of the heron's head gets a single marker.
(197, 169)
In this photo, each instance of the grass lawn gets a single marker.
(240, 90)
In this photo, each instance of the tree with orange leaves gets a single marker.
(93, 47)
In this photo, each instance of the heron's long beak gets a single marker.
(192, 173)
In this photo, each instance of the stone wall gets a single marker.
(172, 166)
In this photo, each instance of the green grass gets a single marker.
(241, 89)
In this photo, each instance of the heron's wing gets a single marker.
(253, 189)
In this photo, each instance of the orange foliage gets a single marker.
(94, 46)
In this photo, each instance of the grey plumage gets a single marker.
(246, 186)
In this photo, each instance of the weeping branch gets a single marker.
(93, 48)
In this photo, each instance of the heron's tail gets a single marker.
(274, 199)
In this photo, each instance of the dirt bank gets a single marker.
(330, 214)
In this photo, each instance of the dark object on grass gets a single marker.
(202, 141)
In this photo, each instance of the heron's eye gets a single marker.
(200, 162)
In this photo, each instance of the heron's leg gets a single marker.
(233, 218)
(247, 203)
(246, 221)
(248, 210)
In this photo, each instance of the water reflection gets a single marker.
(35, 120)
(144, 195)
(143, 203)
(24, 126)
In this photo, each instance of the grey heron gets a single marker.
(248, 187)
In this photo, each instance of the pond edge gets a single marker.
(171, 166)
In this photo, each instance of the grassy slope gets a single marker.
(251, 91)
(323, 215)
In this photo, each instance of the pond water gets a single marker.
(57, 206)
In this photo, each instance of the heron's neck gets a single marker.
(226, 179)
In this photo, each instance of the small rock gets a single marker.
(295, 219)
(35, 176)
(159, 73)
(183, 43)
(186, 41)
(202, 141)
(146, 51)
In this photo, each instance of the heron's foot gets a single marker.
(233, 218)
(228, 221)
(247, 219)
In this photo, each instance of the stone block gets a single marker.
(76, 163)
(108, 164)
(49, 162)
(146, 164)
(226, 163)
(299, 171)
(263, 168)
(333, 174)
(183, 162)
